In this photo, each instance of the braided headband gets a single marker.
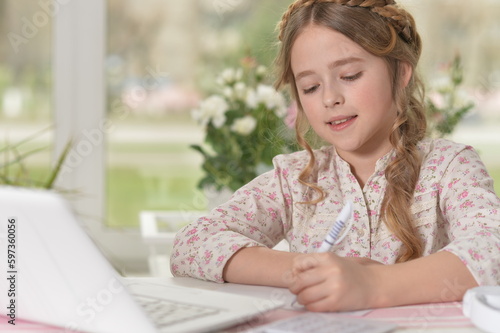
(385, 8)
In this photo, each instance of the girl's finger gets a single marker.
(309, 261)
(312, 294)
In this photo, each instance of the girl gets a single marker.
(426, 220)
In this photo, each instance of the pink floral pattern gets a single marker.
(455, 209)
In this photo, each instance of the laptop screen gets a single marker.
(54, 272)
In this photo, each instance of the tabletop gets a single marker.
(432, 318)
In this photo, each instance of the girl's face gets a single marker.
(345, 91)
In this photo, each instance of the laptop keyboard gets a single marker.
(165, 313)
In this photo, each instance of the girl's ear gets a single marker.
(406, 73)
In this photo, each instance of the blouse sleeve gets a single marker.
(256, 215)
(472, 209)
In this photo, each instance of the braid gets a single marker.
(385, 8)
(398, 19)
(286, 16)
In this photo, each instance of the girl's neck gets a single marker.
(363, 165)
(363, 171)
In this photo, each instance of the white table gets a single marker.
(432, 318)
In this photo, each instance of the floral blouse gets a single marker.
(455, 209)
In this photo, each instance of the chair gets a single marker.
(158, 229)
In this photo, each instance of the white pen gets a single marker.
(331, 237)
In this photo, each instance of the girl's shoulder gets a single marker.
(441, 151)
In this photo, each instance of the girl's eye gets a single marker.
(310, 90)
(352, 77)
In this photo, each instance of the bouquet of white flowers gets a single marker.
(244, 127)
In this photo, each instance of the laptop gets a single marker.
(52, 273)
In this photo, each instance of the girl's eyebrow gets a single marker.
(337, 63)
(344, 61)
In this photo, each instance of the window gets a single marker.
(25, 92)
(162, 57)
(449, 28)
(125, 73)
(150, 65)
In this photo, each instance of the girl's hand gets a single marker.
(327, 282)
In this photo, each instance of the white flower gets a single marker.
(268, 96)
(240, 90)
(236, 92)
(229, 76)
(281, 109)
(228, 92)
(261, 70)
(440, 83)
(252, 100)
(244, 126)
(212, 109)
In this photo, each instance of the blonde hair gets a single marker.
(387, 31)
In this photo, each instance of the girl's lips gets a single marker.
(340, 124)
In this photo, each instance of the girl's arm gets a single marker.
(260, 266)
(439, 277)
(326, 282)
(264, 266)
(253, 218)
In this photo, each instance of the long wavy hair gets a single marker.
(385, 30)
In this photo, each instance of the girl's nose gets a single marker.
(332, 97)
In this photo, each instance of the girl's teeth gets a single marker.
(338, 122)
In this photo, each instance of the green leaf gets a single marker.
(25, 140)
(14, 170)
(57, 168)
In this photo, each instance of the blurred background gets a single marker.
(161, 57)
